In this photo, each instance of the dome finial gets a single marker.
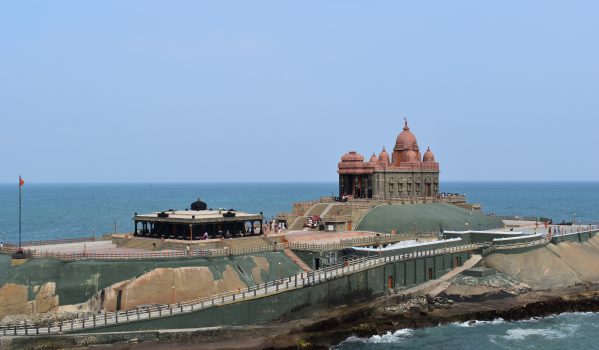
(405, 124)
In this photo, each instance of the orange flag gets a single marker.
(21, 182)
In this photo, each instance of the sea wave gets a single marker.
(523, 333)
(388, 337)
(478, 323)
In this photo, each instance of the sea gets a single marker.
(54, 211)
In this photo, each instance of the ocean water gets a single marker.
(74, 210)
(565, 331)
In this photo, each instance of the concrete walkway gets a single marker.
(436, 286)
(299, 262)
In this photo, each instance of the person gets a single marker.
(187, 249)
(205, 235)
(154, 246)
(1, 245)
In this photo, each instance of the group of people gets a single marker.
(344, 198)
(312, 221)
(273, 226)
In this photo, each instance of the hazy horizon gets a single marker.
(281, 182)
(145, 91)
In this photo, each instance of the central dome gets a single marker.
(406, 140)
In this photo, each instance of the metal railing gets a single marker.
(360, 241)
(301, 280)
(591, 229)
(143, 255)
(495, 247)
(57, 241)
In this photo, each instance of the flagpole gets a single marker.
(20, 212)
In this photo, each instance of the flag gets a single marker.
(21, 182)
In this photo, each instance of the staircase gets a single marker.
(317, 209)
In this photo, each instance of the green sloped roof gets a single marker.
(425, 218)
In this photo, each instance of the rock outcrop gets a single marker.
(553, 266)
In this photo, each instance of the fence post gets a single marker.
(94, 319)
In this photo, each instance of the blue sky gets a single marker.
(110, 91)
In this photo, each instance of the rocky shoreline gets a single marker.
(392, 314)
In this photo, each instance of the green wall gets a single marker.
(301, 302)
(77, 281)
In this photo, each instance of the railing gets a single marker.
(57, 241)
(357, 241)
(517, 217)
(493, 248)
(565, 235)
(590, 229)
(145, 255)
(342, 269)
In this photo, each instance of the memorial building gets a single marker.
(406, 174)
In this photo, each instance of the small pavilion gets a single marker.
(197, 224)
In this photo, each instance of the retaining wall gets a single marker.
(301, 302)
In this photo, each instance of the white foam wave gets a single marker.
(478, 323)
(523, 333)
(388, 337)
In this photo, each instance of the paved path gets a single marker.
(438, 285)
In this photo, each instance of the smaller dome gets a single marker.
(352, 156)
(198, 205)
(373, 158)
(411, 157)
(384, 156)
(428, 156)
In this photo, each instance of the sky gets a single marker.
(236, 91)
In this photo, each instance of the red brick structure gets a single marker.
(406, 174)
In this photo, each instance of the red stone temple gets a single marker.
(406, 174)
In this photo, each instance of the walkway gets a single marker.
(438, 285)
